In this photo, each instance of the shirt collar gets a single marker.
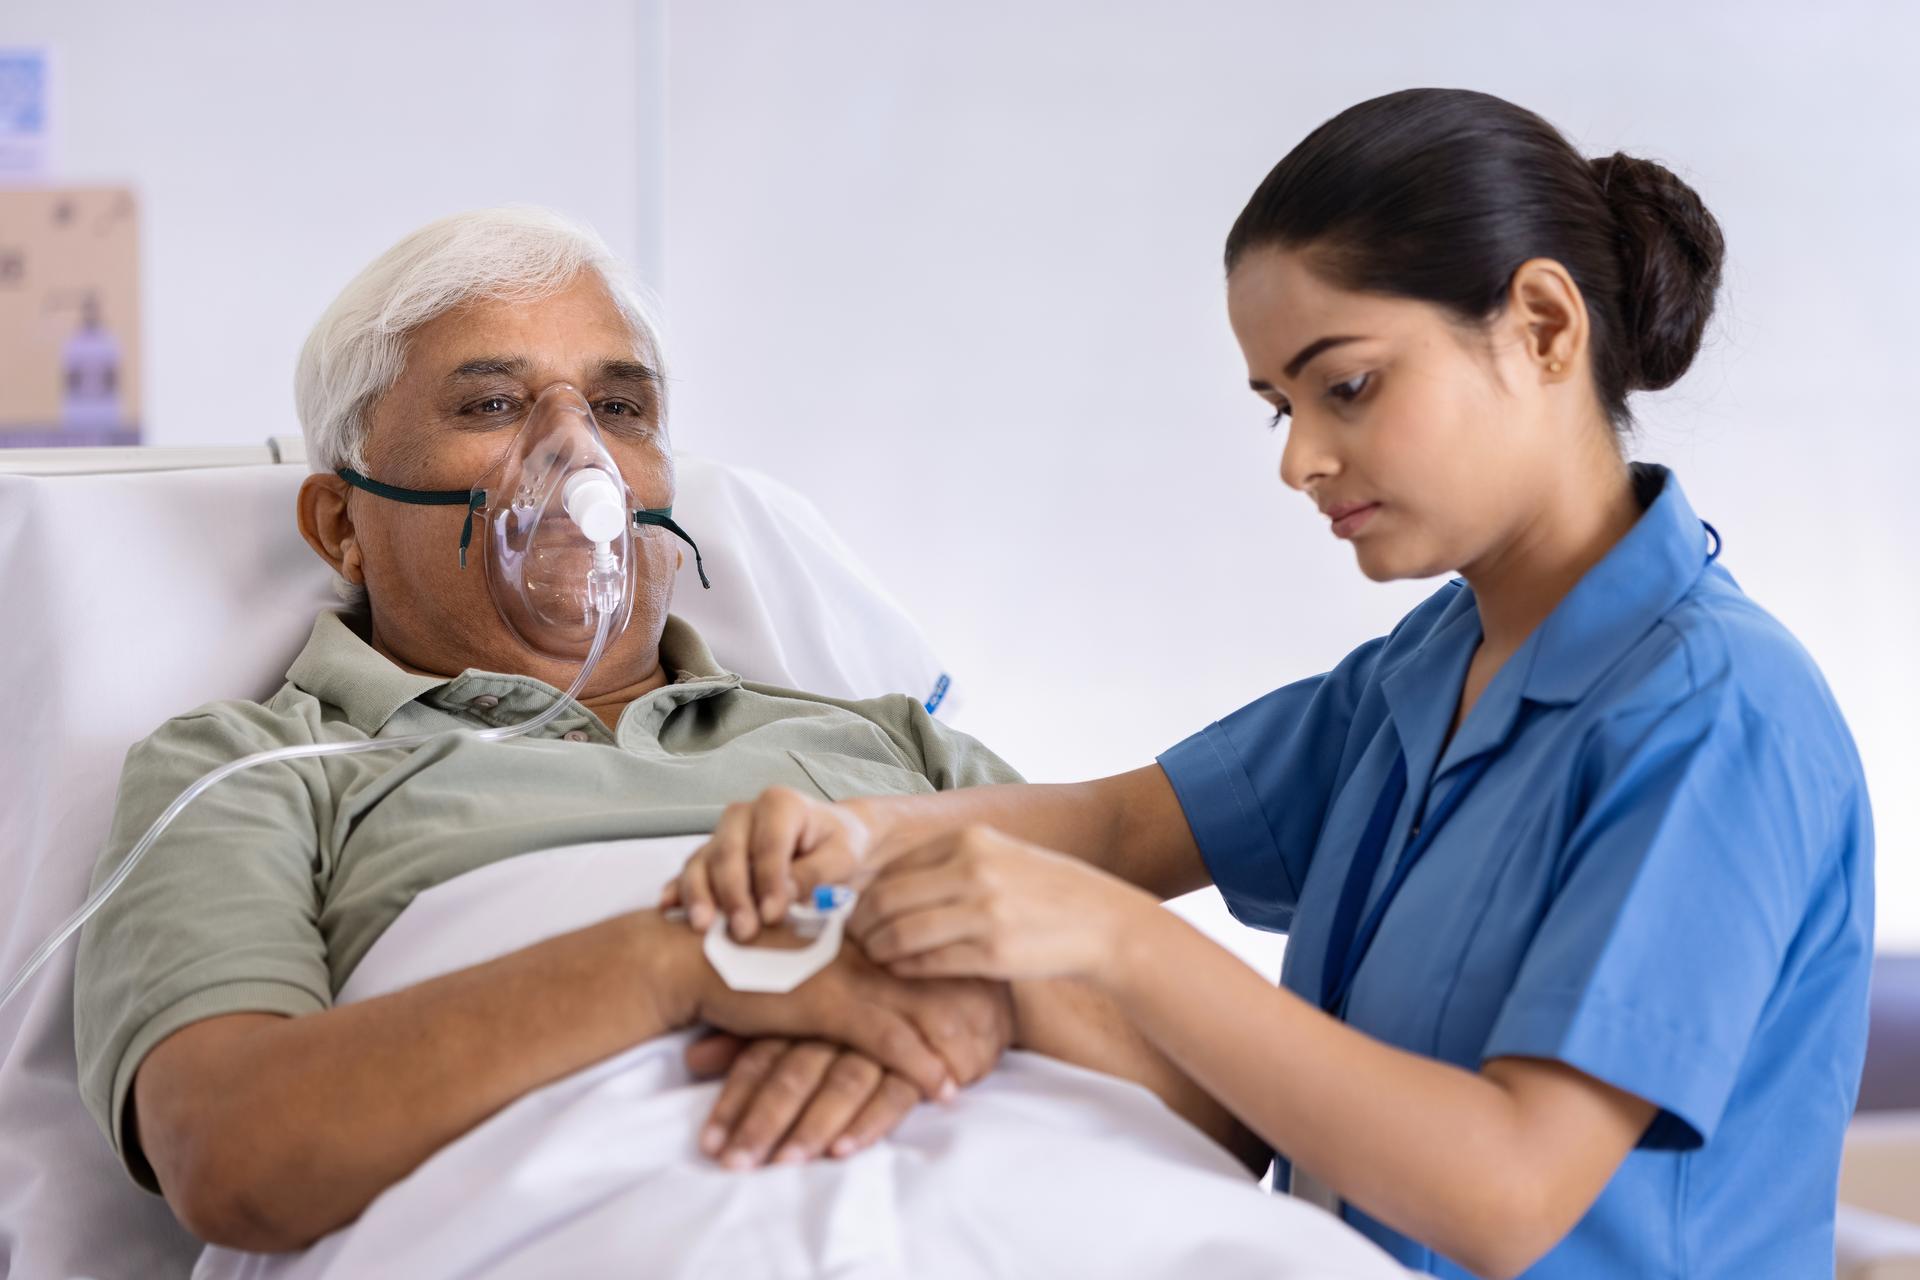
(338, 666)
(684, 652)
(341, 668)
(1620, 599)
(1416, 689)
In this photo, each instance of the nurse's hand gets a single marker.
(765, 855)
(977, 903)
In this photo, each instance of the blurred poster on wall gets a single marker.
(69, 316)
(26, 116)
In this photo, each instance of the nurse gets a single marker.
(1575, 863)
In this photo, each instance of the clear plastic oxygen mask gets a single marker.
(559, 562)
(559, 530)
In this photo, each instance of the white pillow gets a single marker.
(126, 599)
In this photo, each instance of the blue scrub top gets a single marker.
(1664, 879)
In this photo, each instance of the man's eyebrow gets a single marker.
(628, 371)
(490, 367)
(632, 371)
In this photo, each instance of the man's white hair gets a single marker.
(357, 350)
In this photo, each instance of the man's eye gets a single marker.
(1352, 389)
(491, 405)
(623, 418)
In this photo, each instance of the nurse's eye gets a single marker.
(1352, 389)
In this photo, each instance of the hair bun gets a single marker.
(1671, 253)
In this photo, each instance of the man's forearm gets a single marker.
(1075, 1023)
(277, 1131)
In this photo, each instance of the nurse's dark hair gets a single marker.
(1441, 194)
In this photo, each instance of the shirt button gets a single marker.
(485, 702)
(575, 735)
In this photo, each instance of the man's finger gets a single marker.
(743, 1081)
(850, 1082)
(889, 1105)
(890, 1039)
(782, 1095)
(711, 1055)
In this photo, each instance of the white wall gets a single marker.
(276, 149)
(955, 272)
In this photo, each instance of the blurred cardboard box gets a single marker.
(69, 316)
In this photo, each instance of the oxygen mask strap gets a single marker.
(471, 499)
(662, 517)
(474, 499)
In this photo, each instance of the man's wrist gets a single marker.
(672, 965)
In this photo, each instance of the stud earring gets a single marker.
(1553, 366)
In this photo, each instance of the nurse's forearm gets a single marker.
(1489, 1168)
(1077, 1023)
(1129, 825)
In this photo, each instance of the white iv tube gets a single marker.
(609, 588)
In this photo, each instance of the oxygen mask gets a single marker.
(558, 524)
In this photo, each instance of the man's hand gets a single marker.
(820, 1098)
(933, 1033)
(807, 1097)
(765, 855)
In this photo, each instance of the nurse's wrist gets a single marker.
(1132, 945)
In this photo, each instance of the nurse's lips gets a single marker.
(1350, 517)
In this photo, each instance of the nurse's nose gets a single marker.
(1308, 458)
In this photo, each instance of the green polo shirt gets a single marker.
(267, 890)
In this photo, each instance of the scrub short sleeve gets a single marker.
(1255, 787)
(1701, 842)
(220, 916)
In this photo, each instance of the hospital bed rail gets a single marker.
(119, 459)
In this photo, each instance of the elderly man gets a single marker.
(212, 1051)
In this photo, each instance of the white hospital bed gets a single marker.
(140, 583)
(136, 583)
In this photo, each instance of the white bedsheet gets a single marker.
(130, 598)
(1041, 1170)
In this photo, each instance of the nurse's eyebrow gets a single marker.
(1307, 353)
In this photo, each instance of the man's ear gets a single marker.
(327, 527)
